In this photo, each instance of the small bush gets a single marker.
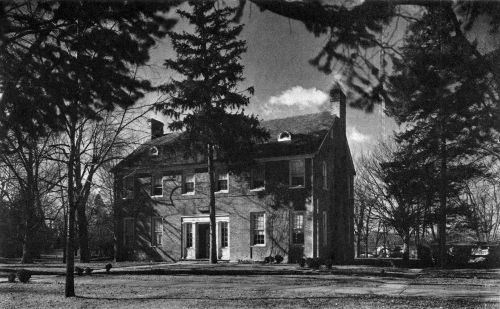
(79, 271)
(12, 277)
(108, 267)
(278, 259)
(88, 271)
(302, 262)
(424, 254)
(313, 263)
(245, 261)
(24, 275)
(268, 259)
(329, 263)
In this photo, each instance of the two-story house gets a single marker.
(296, 200)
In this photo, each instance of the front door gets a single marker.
(203, 241)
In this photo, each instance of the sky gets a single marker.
(276, 65)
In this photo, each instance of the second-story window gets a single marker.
(297, 173)
(223, 182)
(128, 187)
(325, 175)
(144, 184)
(157, 186)
(189, 183)
(258, 177)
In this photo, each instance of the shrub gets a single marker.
(313, 263)
(12, 277)
(24, 275)
(302, 262)
(461, 255)
(88, 271)
(108, 267)
(268, 259)
(245, 261)
(79, 271)
(329, 263)
(493, 257)
(424, 254)
(278, 259)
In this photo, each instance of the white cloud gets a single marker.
(357, 136)
(300, 97)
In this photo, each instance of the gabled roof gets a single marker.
(308, 131)
(304, 124)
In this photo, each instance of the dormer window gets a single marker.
(284, 136)
(153, 151)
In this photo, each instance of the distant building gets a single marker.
(296, 200)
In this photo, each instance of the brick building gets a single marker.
(296, 200)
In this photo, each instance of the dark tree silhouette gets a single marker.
(63, 61)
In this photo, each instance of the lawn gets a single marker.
(277, 291)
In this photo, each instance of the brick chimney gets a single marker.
(338, 98)
(156, 128)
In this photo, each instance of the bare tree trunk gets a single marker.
(213, 226)
(70, 250)
(442, 195)
(83, 234)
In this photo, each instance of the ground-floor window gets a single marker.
(189, 235)
(298, 228)
(258, 231)
(224, 234)
(325, 229)
(128, 231)
(156, 231)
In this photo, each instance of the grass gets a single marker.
(277, 291)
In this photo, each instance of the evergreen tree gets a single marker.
(441, 96)
(207, 104)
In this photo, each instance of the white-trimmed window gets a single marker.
(298, 228)
(222, 182)
(224, 234)
(156, 231)
(189, 235)
(325, 229)
(157, 186)
(144, 184)
(258, 178)
(189, 184)
(128, 187)
(128, 231)
(258, 228)
(297, 173)
(324, 174)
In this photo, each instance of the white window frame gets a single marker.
(189, 230)
(154, 242)
(150, 193)
(324, 174)
(222, 234)
(253, 172)
(294, 215)
(324, 222)
(184, 178)
(290, 174)
(253, 217)
(129, 219)
(227, 180)
(153, 178)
